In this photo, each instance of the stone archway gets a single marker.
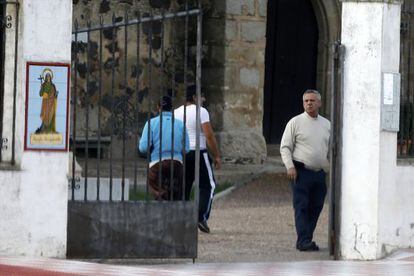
(234, 40)
(328, 16)
(290, 61)
(298, 57)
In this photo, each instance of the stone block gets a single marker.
(214, 75)
(215, 57)
(243, 147)
(263, 7)
(245, 55)
(231, 30)
(240, 7)
(250, 77)
(220, 77)
(214, 30)
(253, 31)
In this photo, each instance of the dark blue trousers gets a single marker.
(309, 191)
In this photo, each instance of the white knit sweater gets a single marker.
(306, 139)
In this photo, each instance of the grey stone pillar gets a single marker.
(233, 76)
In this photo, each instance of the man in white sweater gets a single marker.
(304, 149)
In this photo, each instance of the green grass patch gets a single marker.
(140, 194)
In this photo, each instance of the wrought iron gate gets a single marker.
(338, 52)
(119, 71)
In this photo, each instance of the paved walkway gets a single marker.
(400, 264)
(255, 223)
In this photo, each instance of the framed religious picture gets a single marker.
(47, 103)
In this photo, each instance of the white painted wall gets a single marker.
(401, 233)
(361, 35)
(33, 206)
(377, 195)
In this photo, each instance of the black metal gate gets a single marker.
(338, 52)
(405, 148)
(120, 70)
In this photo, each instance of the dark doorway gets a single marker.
(291, 58)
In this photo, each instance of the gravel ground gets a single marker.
(254, 223)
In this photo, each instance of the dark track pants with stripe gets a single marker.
(309, 193)
(207, 182)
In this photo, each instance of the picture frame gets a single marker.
(47, 106)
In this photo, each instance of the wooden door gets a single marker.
(291, 58)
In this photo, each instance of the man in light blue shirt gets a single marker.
(163, 137)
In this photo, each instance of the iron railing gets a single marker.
(406, 134)
(9, 20)
(120, 69)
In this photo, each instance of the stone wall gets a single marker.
(233, 76)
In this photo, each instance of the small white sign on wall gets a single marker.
(390, 104)
(388, 96)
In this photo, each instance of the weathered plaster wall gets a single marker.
(361, 35)
(33, 207)
(401, 233)
(393, 204)
(376, 193)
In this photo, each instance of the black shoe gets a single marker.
(203, 227)
(310, 246)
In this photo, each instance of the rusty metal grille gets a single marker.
(406, 134)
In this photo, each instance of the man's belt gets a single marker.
(301, 165)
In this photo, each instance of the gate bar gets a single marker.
(338, 51)
(88, 72)
(149, 105)
(185, 94)
(160, 94)
(141, 20)
(74, 100)
(137, 102)
(124, 102)
(198, 124)
(112, 108)
(98, 168)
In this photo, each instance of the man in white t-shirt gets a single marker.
(207, 182)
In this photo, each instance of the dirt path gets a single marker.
(255, 223)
